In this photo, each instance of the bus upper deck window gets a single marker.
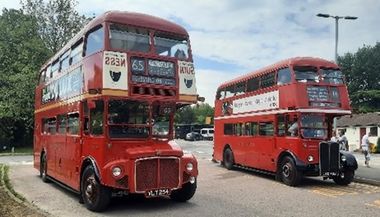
(171, 46)
(306, 74)
(95, 41)
(129, 38)
(332, 76)
(283, 76)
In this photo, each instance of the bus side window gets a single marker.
(283, 76)
(62, 124)
(292, 126)
(230, 91)
(96, 117)
(95, 41)
(281, 125)
(253, 84)
(42, 77)
(266, 129)
(239, 129)
(73, 124)
(267, 80)
(228, 129)
(76, 53)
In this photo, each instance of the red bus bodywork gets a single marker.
(253, 113)
(69, 136)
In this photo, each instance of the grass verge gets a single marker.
(4, 169)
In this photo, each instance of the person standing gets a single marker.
(343, 142)
(334, 138)
(365, 148)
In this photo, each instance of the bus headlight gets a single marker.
(343, 158)
(116, 171)
(310, 158)
(189, 167)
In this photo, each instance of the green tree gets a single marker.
(185, 115)
(22, 52)
(194, 114)
(362, 70)
(202, 111)
(58, 21)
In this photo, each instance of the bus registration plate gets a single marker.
(157, 192)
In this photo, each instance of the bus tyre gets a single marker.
(185, 193)
(228, 159)
(95, 196)
(289, 173)
(43, 169)
(344, 178)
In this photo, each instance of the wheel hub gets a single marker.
(286, 170)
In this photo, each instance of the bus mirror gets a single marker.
(91, 104)
(201, 98)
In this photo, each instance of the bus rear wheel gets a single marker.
(185, 193)
(345, 178)
(95, 196)
(43, 168)
(228, 159)
(289, 173)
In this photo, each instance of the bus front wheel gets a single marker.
(228, 159)
(289, 173)
(95, 196)
(185, 193)
(345, 178)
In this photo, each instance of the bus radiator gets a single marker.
(157, 173)
(329, 158)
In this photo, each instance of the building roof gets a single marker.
(369, 119)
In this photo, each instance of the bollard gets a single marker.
(13, 151)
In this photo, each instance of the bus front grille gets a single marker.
(329, 158)
(157, 173)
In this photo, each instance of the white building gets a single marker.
(358, 125)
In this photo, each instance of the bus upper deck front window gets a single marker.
(313, 126)
(306, 74)
(129, 38)
(171, 46)
(332, 76)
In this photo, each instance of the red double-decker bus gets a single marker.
(105, 107)
(278, 119)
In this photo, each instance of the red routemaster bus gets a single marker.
(278, 119)
(105, 106)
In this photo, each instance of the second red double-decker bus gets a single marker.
(105, 107)
(279, 119)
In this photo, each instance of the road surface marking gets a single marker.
(352, 189)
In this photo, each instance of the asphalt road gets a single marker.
(220, 193)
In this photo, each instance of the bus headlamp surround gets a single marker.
(116, 171)
(189, 167)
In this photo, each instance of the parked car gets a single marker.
(207, 133)
(193, 136)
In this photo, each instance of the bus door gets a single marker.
(59, 145)
(266, 145)
(93, 129)
(72, 153)
(287, 132)
(251, 156)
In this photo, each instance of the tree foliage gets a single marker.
(58, 21)
(22, 52)
(194, 114)
(362, 70)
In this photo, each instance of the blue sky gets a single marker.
(233, 37)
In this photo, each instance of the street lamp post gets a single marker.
(336, 28)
